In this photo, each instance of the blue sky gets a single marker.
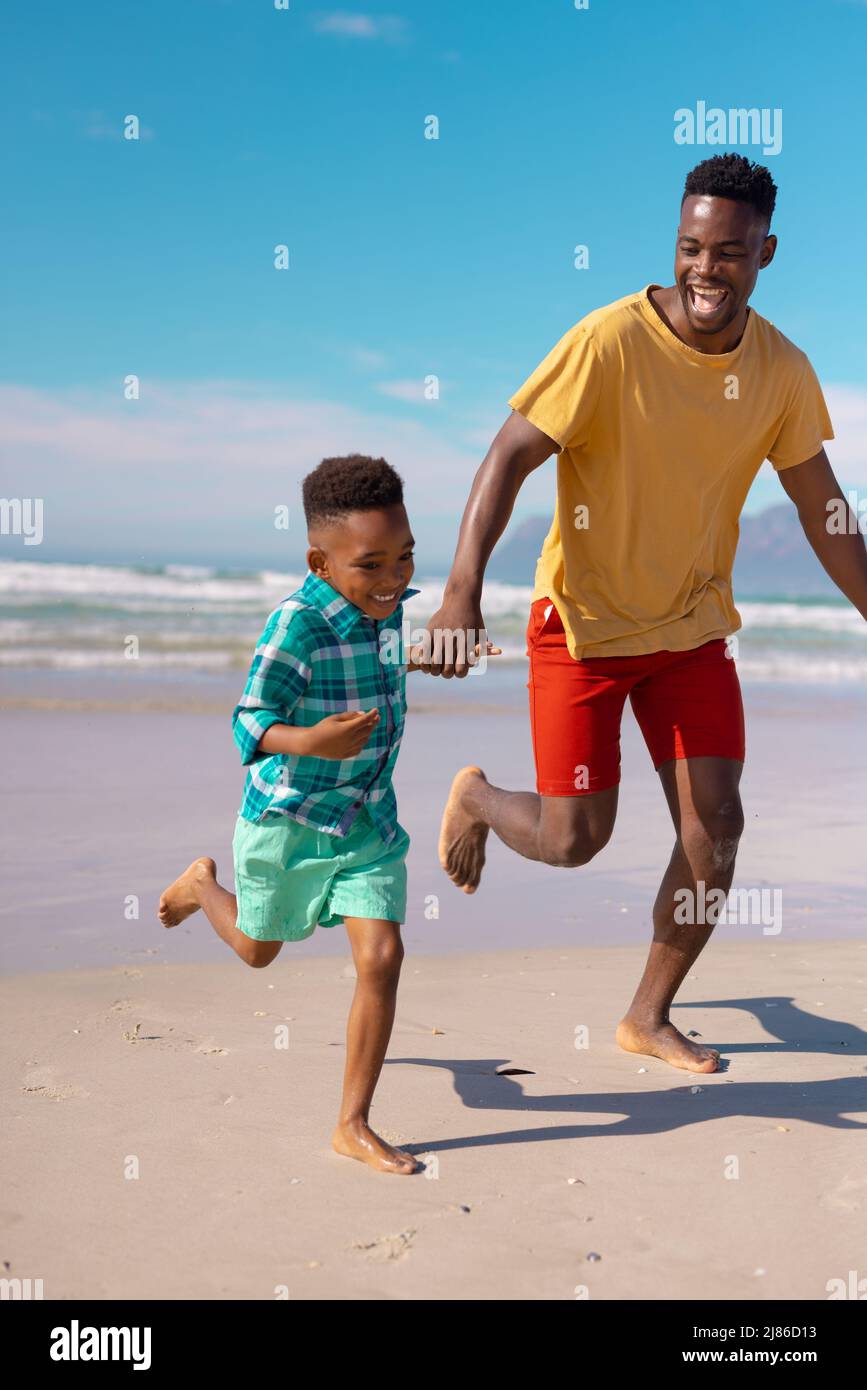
(408, 256)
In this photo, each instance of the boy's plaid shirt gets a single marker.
(318, 655)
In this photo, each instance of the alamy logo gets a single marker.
(853, 1287)
(22, 516)
(745, 907)
(470, 646)
(739, 125)
(76, 1343)
(20, 1289)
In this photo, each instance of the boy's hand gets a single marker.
(342, 735)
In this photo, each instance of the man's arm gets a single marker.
(518, 449)
(812, 486)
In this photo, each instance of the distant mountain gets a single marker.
(774, 557)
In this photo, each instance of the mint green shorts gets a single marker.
(289, 878)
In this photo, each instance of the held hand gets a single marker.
(342, 735)
(453, 640)
(416, 656)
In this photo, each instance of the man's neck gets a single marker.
(667, 303)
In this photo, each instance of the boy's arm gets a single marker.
(816, 493)
(280, 673)
(336, 736)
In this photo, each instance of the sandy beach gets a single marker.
(158, 1144)
(171, 1072)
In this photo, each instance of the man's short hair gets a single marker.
(733, 176)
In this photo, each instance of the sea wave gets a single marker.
(66, 616)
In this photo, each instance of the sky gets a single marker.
(408, 258)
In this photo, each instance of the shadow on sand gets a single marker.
(828, 1102)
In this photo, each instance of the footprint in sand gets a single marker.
(848, 1195)
(56, 1092)
(135, 1035)
(386, 1248)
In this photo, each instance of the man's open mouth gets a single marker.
(706, 300)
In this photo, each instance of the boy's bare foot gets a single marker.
(462, 836)
(355, 1139)
(664, 1041)
(180, 900)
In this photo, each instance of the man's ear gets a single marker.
(768, 250)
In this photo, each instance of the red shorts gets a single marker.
(688, 705)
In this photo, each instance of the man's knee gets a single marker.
(571, 847)
(713, 836)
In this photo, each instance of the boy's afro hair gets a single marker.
(353, 483)
(733, 176)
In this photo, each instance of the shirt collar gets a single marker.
(340, 613)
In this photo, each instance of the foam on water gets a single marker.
(78, 616)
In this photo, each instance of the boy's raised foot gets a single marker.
(180, 899)
(462, 834)
(355, 1139)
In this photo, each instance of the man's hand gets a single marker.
(340, 735)
(454, 635)
(458, 649)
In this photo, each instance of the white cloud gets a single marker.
(368, 357)
(95, 125)
(391, 28)
(482, 435)
(847, 406)
(411, 389)
(200, 460)
(197, 468)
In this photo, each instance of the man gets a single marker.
(662, 407)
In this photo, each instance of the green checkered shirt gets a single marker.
(318, 655)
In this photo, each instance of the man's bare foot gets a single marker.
(462, 835)
(664, 1041)
(355, 1139)
(180, 900)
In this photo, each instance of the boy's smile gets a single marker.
(367, 556)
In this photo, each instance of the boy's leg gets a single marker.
(705, 806)
(197, 888)
(377, 950)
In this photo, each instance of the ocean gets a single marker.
(195, 621)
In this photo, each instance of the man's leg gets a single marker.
(575, 713)
(560, 830)
(705, 806)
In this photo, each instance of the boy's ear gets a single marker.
(317, 562)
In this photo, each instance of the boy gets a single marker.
(319, 725)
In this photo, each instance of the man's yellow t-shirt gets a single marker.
(659, 444)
